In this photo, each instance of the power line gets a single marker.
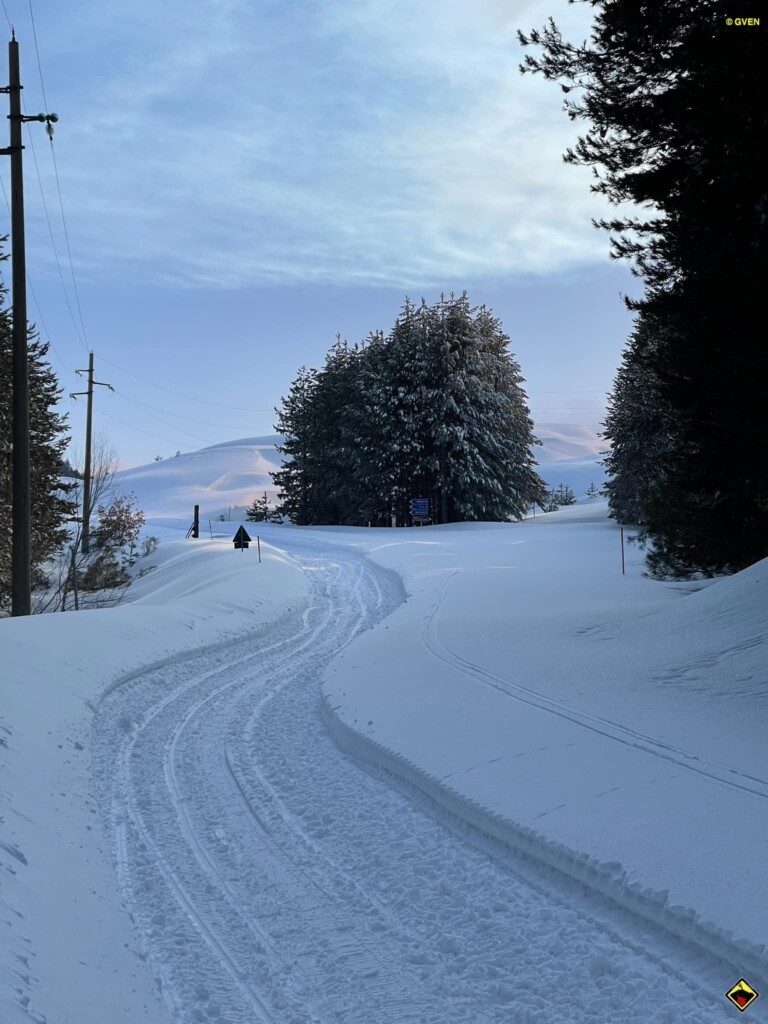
(48, 221)
(132, 426)
(66, 237)
(84, 337)
(56, 171)
(203, 401)
(53, 243)
(155, 416)
(10, 26)
(34, 296)
(37, 51)
(192, 419)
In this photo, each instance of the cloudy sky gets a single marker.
(243, 179)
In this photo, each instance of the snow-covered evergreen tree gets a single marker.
(405, 408)
(337, 396)
(564, 495)
(258, 510)
(297, 481)
(640, 426)
(50, 507)
(506, 438)
(675, 107)
(433, 410)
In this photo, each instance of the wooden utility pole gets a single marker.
(21, 547)
(85, 537)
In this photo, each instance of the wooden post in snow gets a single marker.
(622, 551)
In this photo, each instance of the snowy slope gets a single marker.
(595, 720)
(610, 728)
(215, 478)
(570, 454)
(68, 950)
(233, 473)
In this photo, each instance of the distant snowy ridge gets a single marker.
(224, 478)
(568, 441)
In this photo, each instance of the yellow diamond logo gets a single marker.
(742, 994)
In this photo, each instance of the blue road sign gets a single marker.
(419, 506)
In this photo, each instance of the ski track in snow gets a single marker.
(723, 774)
(272, 878)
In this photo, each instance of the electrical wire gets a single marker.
(66, 238)
(191, 419)
(84, 336)
(34, 296)
(161, 420)
(132, 426)
(40, 317)
(191, 398)
(37, 51)
(81, 330)
(53, 243)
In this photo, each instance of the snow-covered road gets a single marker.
(274, 879)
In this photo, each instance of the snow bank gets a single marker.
(67, 939)
(581, 716)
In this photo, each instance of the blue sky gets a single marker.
(243, 179)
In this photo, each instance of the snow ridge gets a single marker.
(607, 879)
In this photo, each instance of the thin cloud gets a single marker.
(238, 144)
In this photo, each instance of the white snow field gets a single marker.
(468, 773)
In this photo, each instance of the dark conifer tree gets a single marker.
(337, 395)
(434, 410)
(50, 505)
(374, 472)
(506, 441)
(297, 481)
(258, 510)
(677, 101)
(640, 426)
(394, 451)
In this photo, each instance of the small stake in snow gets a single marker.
(258, 545)
(241, 539)
(622, 551)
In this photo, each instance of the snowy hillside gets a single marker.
(570, 454)
(228, 476)
(450, 775)
(217, 478)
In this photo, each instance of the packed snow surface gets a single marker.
(452, 774)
